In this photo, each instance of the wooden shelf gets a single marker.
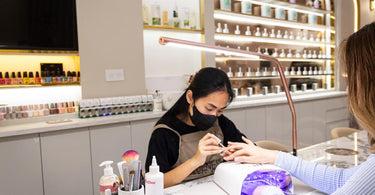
(150, 27)
(230, 58)
(37, 85)
(277, 77)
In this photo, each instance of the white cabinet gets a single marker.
(20, 165)
(66, 161)
(140, 135)
(108, 142)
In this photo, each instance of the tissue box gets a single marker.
(238, 178)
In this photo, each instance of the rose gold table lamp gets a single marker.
(246, 54)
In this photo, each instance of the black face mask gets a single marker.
(202, 121)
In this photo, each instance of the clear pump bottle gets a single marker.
(109, 180)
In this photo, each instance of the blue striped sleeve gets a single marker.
(329, 179)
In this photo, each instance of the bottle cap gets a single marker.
(6, 74)
(74, 74)
(19, 74)
(79, 73)
(31, 75)
(63, 74)
(154, 168)
(1, 75)
(69, 74)
(53, 73)
(13, 75)
(25, 74)
(58, 73)
(37, 74)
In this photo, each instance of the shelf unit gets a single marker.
(242, 22)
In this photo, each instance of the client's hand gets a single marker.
(241, 152)
(208, 145)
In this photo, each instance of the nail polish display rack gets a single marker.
(304, 47)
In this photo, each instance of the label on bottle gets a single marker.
(113, 188)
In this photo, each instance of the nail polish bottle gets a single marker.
(291, 36)
(298, 37)
(74, 77)
(292, 72)
(248, 73)
(70, 79)
(304, 72)
(25, 111)
(239, 73)
(257, 33)
(58, 77)
(14, 80)
(289, 55)
(265, 33)
(275, 54)
(64, 78)
(53, 77)
(48, 77)
(71, 108)
(286, 36)
(274, 73)
(14, 112)
(299, 71)
(266, 51)
(2, 113)
(230, 73)
(41, 110)
(298, 54)
(304, 55)
(219, 29)
(320, 54)
(282, 54)
(310, 71)
(226, 30)
(37, 78)
(46, 110)
(43, 78)
(248, 32)
(35, 110)
(257, 73)
(25, 79)
(52, 109)
(279, 36)
(60, 108)
(2, 80)
(65, 107)
(79, 77)
(19, 78)
(265, 73)
(19, 112)
(7, 80)
(309, 55)
(286, 71)
(272, 35)
(31, 78)
(237, 31)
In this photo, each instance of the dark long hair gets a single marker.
(205, 82)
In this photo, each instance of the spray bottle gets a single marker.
(109, 180)
(154, 180)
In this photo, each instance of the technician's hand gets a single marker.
(208, 145)
(248, 152)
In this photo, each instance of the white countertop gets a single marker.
(316, 153)
(39, 125)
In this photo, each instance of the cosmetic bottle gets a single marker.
(7, 80)
(13, 79)
(19, 112)
(46, 110)
(158, 103)
(293, 88)
(230, 73)
(279, 13)
(219, 29)
(299, 71)
(266, 10)
(257, 33)
(155, 14)
(31, 78)
(19, 78)
(303, 87)
(286, 71)
(289, 55)
(304, 37)
(315, 72)
(25, 111)
(79, 77)
(277, 89)
(237, 31)
(265, 33)
(314, 54)
(165, 18)
(48, 77)
(292, 72)
(317, 38)
(41, 110)
(311, 37)
(291, 36)
(265, 90)
(193, 20)
(282, 54)
(109, 180)
(74, 77)
(2, 80)
(226, 30)
(239, 73)
(304, 72)
(70, 78)
(309, 55)
(323, 40)
(225, 5)
(64, 78)
(275, 54)
(58, 77)
(298, 37)
(154, 179)
(272, 35)
(320, 54)
(316, 3)
(310, 71)
(292, 15)
(37, 78)
(248, 73)
(185, 16)
(304, 55)
(246, 7)
(145, 13)
(259, 50)
(265, 73)
(249, 91)
(266, 51)
(274, 73)
(257, 73)
(279, 36)
(248, 32)
(286, 36)
(175, 19)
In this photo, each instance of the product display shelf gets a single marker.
(230, 58)
(249, 38)
(247, 18)
(37, 85)
(277, 77)
(151, 27)
(297, 7)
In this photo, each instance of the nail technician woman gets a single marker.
(358, 55)
(185, 139)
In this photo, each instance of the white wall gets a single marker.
(366, 16)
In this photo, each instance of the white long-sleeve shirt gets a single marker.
(331, 180)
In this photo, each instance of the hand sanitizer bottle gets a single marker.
(154, 180)
(109, 180)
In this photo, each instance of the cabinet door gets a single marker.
(304, 123)
(256, 123)
(66, 161)
(279, 124)
(141, 133)
(108, 142)
(319, 121)
(238, 117)
(20, 165)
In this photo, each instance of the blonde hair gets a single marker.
(358, 55)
